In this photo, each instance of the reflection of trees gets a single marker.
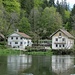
(41, 65)
(3, 65)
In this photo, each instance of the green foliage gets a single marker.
(37, 3)
(67, 14)
(11, 5)
(51, 3)
(9, 52)
(39, 53)
(24, 25)
(27, 5)
(39, 17)
(50, 21)
(34, 19)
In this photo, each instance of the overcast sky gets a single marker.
(71, 2)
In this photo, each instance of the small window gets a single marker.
(59, 45)
(11, 37)
(63, 45)
(56, 45)
(59, 34)
(16, 37)
(21, 43)
(21, 38)
(18, 47)
(16, 42)
(24, 42)
(10, 43)
(28, 41)
(63, 39)
(56, 39)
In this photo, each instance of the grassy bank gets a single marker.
(16, 52)
(39, 53)
(9, 52)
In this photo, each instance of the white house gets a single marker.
(61, 39)
(19, 40)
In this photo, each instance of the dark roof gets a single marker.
(23, 35)
(65, 32)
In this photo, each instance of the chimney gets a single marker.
(17, 30)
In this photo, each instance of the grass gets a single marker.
(39, 53)
(9, 52)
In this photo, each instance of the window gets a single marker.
(11, 37)
(10, 43)
(16, 37)
(28, 41)
(18, 47)
(16, 42)
(56, 45)
(63, 45)
(63, 39)
(21, 38)
(56, 39)
(59, 34)
(24, 42)
(21, 43)
(59, 45)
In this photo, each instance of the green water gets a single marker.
(37, 65)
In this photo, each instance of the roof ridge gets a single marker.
(23, 35)
(65, 32)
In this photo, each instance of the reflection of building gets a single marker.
(61, 64)
(18, 63)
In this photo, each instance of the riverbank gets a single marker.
(39, 53)
(9, 52)
(16, 52)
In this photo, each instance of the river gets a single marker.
(37, 65)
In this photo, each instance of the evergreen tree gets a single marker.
(27, 5)
(72, 18)
(45, 4)
(51, 3)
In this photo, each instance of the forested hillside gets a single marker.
(38, 18)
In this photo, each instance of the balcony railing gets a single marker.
(60, 42)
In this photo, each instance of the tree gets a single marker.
(72, 18)
(37, 3)
(11, 6)
(34, 19)
(24, 25)
(51, 3)
(45, 4)
(27, 5)
(50, 21)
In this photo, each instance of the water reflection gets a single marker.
(37, 65)
(62, 64)
(17, 63)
